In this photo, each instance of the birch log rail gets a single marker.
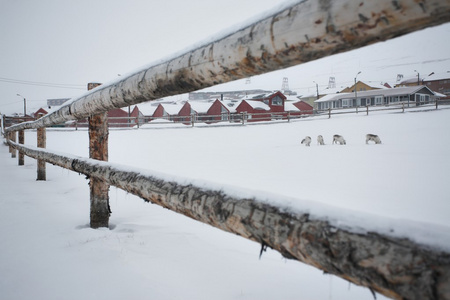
(300, 33)
(397, 268)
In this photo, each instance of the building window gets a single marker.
(346, 102)
(277, 101)
(378, 100)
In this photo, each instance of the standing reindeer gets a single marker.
(320, 140)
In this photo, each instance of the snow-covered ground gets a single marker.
(47, 250)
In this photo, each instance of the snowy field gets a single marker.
(48, 252)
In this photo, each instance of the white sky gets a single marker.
(75, 42)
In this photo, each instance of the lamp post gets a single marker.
(356, 95)
(24, 105)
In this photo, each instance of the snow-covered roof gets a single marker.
(376, 85)
(172, 109)
(291, 98)
(231, 104)
(257, 104)
(200, 107)
(147, 108)
(380, 92)
(289, 106)
(439, 76)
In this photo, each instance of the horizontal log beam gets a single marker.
(397, 268)
(300, 33)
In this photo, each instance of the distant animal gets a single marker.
(338, 139)
(373, 137)
(320, 140)
(307, 141)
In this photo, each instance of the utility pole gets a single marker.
(317, 90)
(356, 95)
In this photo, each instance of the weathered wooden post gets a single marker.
(41, 143)
(21, 141)
(12, 150)
(98, 149)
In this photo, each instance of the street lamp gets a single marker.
(356, 95)
(24, 105)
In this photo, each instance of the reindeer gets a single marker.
(307, 141)
(373, 137)
(338, 139)
(320, 140)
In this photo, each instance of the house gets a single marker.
(118, 117)
(146, 110)
(217, 112)
(274, 100)
(414, 95)
(255, 110)
(197, 109)
(439, 83)
(44, 111)
(167, 111)
(362, 86)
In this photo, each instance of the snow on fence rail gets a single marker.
(304, 31)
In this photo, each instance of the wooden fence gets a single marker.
(308, 30)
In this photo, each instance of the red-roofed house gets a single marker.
(255, 110)
(217, 112)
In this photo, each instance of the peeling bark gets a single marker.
(397, 268)
(21, 141)
(12, 150)
(41, 143)
(99, 189)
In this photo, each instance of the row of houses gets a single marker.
(262, 107)
(410, 96)
(259, 107)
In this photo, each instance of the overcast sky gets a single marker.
(53, 48)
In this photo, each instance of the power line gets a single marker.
(47, 84)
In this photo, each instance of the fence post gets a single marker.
(98, 149)
(192, 120)
(403, 107)
(41, 143)
(329, 113)
(21, 141)
(289, 116)
(437, 101)
(367, 108)
(12, 150)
